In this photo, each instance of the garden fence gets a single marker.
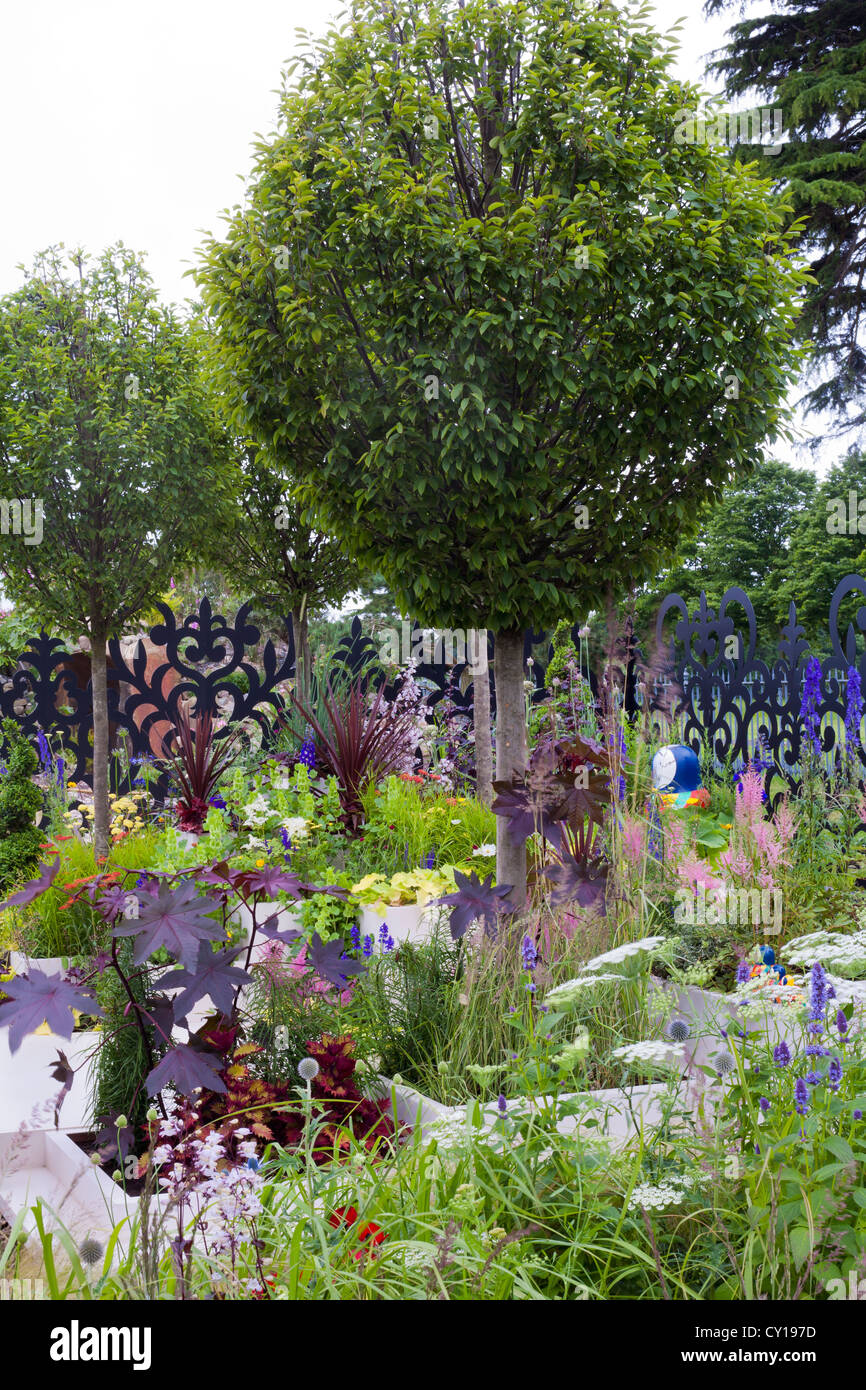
(718, 693)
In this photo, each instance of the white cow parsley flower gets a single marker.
(649, 945)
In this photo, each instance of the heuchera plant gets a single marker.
(169, 912)
(270, 1108)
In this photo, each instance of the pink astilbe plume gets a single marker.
(693, 871)
(633, 840)
(675, 839)
(784, 821)
(750, 797)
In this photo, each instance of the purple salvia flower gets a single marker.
(801, 1096)
(810, 703)
(834, 1074)
(502, 1104)
(743, 972)
(782, 1054)
(530, 955)
(842, 1022)
(853, 711)
(764, 1104)
(817, 996)
(368, 947)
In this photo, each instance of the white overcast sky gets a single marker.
(134, 122)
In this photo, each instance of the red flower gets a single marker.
(341, 1214)
(370, 1235)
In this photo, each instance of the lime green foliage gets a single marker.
(328, 915)
(403, 828)
(408, 886)
(20, 802)
(564, 652)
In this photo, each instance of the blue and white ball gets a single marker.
(676, 768)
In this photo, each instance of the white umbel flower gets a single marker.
(651, 1055)
(647, 946)
(572, 992)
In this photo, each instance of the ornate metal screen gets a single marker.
(722, 691)
(734, 700)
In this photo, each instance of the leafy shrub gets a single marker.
(20, 803)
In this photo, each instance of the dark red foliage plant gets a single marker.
(197, 760)
(366, 740)
(273, 1112)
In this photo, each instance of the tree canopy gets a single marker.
(807, 58)
(107, 423)
(526, 327)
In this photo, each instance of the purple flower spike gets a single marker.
(502, 1103)
(801, 1096)
(782, 1054)
(811, 702)
(834, 1074)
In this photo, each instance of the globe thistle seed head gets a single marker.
(91, 1251)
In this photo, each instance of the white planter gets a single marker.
(288, 919)
(25, 1080)
(407, 923)
(20, 963)
(47, 1165)
(708, 1011)
(614, 1115)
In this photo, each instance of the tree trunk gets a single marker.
(303, 655)
(99, 687)
(510, 754)
(481, 721)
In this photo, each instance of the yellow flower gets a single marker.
(260, 863)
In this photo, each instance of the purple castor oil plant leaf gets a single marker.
(37, 998)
